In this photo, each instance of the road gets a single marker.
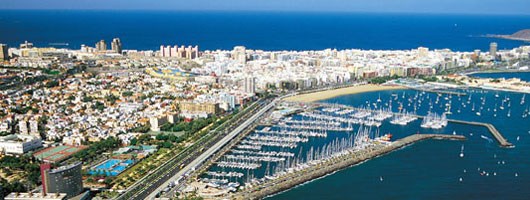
(164, 174)
(210, 151)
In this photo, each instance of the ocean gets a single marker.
(524, 76)
(211, 30)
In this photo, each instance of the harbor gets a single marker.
(344, 161)
(302, 137)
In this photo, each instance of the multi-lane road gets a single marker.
(175, 169)
(209, 152)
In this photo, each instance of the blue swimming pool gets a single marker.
(111, 167)
(109, 164)
(119, 168)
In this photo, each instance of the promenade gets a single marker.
(291, 180)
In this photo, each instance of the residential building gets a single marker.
(191, 107)
(493, 49)
(101, 45)
(249, 85)
(116, 45)
(3, 52)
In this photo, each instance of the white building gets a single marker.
(19, 144)
(249, 86)
(34, 127)
(157, 121)
(23, 127)
(35, 196)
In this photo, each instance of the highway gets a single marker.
(143, 187)
(150, 185)
(190, 167)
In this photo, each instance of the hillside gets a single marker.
(522, 34)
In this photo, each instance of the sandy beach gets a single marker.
(316, 96)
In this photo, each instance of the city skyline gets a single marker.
(511, 7)
(248, 99)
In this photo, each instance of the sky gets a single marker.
(408, 6)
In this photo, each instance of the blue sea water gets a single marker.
(525, 76)
(431, 169)
(258, 30)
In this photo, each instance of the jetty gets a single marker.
(496, 134)
(298, 177)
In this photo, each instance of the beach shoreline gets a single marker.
(327, 94)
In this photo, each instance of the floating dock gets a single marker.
(291, 180)
(496, 134)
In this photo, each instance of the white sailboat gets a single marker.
(462, 152)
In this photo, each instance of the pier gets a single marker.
(496, 134)
(298, 177)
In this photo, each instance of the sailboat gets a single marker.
(522, 99)
(509, 113)
(462, 152)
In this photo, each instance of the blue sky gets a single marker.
(410, 6)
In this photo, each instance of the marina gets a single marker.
(322, 131)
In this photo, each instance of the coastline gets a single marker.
(493, 72)
(508, 37)
(327, 94)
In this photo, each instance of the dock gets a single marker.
(299, 177)
(494, 132)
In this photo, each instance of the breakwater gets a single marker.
(298, 177)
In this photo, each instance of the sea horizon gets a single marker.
(263, 30)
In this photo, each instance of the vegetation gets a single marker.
(428, 78)
(96, 149)
(52, 84)
(189, 127)
(26, 170)
(127, 94)
(381, 80)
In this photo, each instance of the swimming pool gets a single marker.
(109, 164)
(111, 167)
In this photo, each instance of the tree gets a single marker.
(127, 94)
(134, 141)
